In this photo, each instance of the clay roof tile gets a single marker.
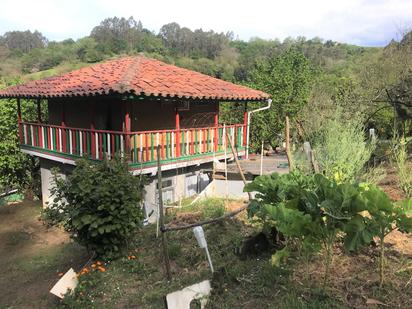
(138, 75)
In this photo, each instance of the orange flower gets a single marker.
(99, 263)
(102, 269)
(93, 265)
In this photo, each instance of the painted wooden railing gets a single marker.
(138, 147)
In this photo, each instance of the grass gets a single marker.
(57, 70)
(31, 257)
(31, 268)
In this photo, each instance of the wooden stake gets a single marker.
(313, 161)
(261, 160)
(161, 218)
(238, 164)
(287, 142)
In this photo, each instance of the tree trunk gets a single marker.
(287, 142)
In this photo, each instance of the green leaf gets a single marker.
(358, 233)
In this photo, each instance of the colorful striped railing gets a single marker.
(138, 147)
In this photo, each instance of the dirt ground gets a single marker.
(31, 256)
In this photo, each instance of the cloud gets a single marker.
(369, 22)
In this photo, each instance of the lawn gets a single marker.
(34, 256)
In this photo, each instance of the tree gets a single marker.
(17, 170)
(87, 50)
(288, 79)
(23, 41)
(118, 34)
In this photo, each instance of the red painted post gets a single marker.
(147, 146)
(92, 127)
(127, 127)
(163, 145)
(40, 130)
(63, 124)
(216, 130)
(177, 121)
(244, 128)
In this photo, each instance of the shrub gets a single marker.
(379, 218)
(403, 168)
(340, 148)
(98, 204)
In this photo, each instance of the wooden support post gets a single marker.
(238, 164)
(63, 124)
(177, 121)
(127, 127)
(245, 126)
(93, 127)
(287, 142)
(38, 111)
(19, 121)
(216, 144)
(161, 216)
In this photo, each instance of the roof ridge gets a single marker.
(124, 82)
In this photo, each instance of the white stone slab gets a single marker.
(68, 282)
(181, 299)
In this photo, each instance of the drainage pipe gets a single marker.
(249, 116)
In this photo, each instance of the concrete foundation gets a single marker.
(177, 184)
(232, 189)
(46, 167)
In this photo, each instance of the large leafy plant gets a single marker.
(381, 216)
(98, 204)
(314, 210)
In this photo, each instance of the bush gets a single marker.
(403, 168)
(341, 149)
(98, 204)
(17, 170)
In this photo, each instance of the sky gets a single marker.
(366, 23)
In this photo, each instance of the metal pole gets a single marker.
(209, 260)
(249, 114)
(225, 148)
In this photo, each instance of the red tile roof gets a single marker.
(138, 75)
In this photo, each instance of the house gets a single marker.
(130, 106)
